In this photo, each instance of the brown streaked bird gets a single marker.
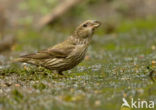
(65, 55)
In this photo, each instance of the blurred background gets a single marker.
(121, 60)
(24, 19)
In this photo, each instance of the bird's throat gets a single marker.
(80, 41)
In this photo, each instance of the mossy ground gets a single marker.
(115, 67)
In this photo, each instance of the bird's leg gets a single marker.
(60, 73)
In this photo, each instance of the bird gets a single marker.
(67, 54)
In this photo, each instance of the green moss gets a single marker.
(17, 95)
(39, 86)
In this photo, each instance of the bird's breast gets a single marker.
(78, 54)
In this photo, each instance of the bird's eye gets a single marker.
(85, 25)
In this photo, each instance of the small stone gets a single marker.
(153, 47)
(97, 103)
(124, 95)
(17, 85)
(87, 57)
(153, 63)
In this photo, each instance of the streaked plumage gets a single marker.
(65, 55)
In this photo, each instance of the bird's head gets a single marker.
(87, 28)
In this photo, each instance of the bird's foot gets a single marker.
(59, 75)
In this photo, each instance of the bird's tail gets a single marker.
(19, 60)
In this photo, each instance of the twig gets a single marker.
(58, 12)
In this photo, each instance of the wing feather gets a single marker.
(60, 52)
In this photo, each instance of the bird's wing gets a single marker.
(57, 52)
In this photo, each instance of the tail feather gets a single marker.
(20, 60)
(25, 60)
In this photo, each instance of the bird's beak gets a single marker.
(96, 24)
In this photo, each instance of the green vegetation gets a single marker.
(138, 24)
